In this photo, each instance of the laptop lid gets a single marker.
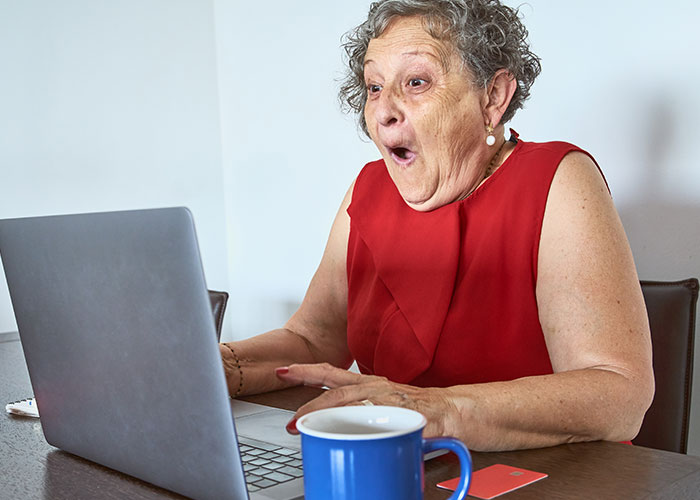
(119, 339)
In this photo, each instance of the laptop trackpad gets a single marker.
(268, 426)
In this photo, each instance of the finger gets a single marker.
(342, 396)
(318, 375)
(364, 402)
(321, 374)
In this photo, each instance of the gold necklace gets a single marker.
(488, 172)
(489, 169)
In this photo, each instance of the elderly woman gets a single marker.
(485, 282)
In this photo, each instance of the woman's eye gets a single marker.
(416, 82)
(373, 89)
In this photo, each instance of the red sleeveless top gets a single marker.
(447, 297)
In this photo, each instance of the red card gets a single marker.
(495, 480)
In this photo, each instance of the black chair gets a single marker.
(218, 306)
(671, 309)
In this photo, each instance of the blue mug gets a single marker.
(365, 452)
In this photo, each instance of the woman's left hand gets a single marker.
(348, 388)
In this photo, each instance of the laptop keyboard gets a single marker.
(267, 465)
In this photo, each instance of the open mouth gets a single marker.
(402, 155)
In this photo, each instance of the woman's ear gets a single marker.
(498, 95)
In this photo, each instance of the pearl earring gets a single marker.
(490, 138)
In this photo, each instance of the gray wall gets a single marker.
(229, 107)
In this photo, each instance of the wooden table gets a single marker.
(32, 469)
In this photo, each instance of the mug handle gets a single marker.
(465, 461)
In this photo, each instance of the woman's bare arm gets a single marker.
(315, 333)
(595, 325)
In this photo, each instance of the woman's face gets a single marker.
(424, 115)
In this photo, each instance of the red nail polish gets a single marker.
(292, 426)
(283, 370)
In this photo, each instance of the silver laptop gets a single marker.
(119, 339)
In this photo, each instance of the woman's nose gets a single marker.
(388, 110)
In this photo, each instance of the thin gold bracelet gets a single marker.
(240, 370)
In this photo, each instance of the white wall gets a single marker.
(289, 154)
(111, 105)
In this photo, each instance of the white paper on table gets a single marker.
(25, 407)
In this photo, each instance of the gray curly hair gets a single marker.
(488, 35)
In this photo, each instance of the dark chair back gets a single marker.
(218, 306)
(671, 309)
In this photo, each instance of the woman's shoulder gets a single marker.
(549, 149)
(555, 155)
